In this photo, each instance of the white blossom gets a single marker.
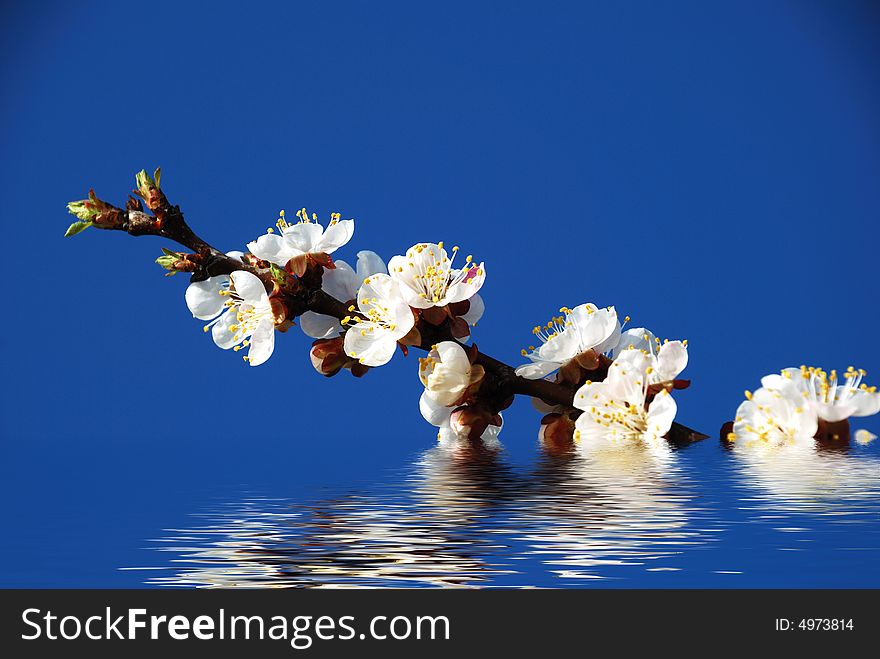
(240, 313)
(427, 277)
(586, 327)
(615, 410)
(385, 319)
(445, 372)
(341, 283)
(773, 416)
(667, 359)
(831, 399)
(307, 236)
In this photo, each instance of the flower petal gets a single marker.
(475, 312)
(369, 348)
(303, 237)
(273, 248)
(248, 286)
(636, 337)
(369, 264)
(203, 297)
(593, 326)
(335, 236)
(537, 370)
(319, 326)
(262, 342)
(433, 412)
(672, 358)
(341, 282)
(592, 394)
(865, 403)
(467, 287)
(661, 414)
(223, 336)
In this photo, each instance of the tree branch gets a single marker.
(305, 294)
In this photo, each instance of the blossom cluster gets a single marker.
(624, 378)
(798, 404)
(620, 379)
(385, 303)
(597, 383)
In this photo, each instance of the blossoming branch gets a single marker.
(595, 382)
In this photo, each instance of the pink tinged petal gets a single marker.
(273, 248)
(433, 412)
(468, 287)
(369, 264)
(319, 326)
(303, 237)
(341, 282)
(475, 312)
(203, 297)
(262, 342)
(672, 358)
(537, 370)
(248, 286)
(335, 236)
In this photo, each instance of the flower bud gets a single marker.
(148, 189)
(557, 432)
(168, 262)
(328, 356)
(93, 212)
(446, 373)
(472, 421)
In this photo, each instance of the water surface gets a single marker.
(701, 516)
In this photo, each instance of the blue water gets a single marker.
(514, 517)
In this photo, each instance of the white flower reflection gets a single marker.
(627, 508)
(461, 517)
(821, 479)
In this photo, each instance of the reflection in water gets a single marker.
(815, 479)
(459, 517)
(621, 507)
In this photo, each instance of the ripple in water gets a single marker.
(457, 518)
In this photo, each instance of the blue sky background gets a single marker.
(710, 171)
